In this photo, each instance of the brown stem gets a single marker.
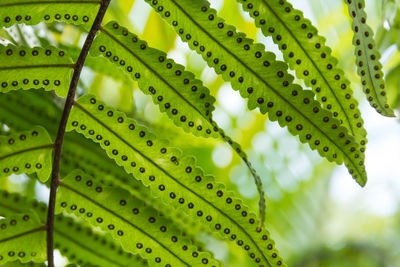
(63, 123)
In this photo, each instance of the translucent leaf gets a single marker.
(177, 92)
(172, 176)
(367, 59)
(139, 228)
(18, 233)
(263, 80)
(186, 101)
(306, 53)
(27, 68)
(27, 152)
(75, 240)
(24, 109)
(31, 12)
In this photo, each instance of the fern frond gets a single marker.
(139, 228)
(307, 54)
(27, 68)
(82, 246)
(186, 101)
(263, 80)
(18, 233)
(367, 55)
(112, 175)
(173, 177)
(23, 109)
(31, 12)
(96, 250)
(26, 152)
(177, 92)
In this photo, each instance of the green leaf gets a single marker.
(23, 109)
(263, 80)
(18, 233)
(139, 228)
(27, 152)
(171, 176)
(31, 12)
(393, 82)
(19, 264)
(95, 166)
(306, 53)
(186, 101)
(97, 249)
(27, 68)
(177, 92)
(83, 246)
(98, 64)
(367, 59)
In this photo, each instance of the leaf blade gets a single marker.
(128, 220)
(171, 176)
(35, 146)
(97, 249)
(263, 80)
(18, 232)
(33, 12)
(367, 55)
(305, 51)
(186, 101)
(27, 68)
(179, 88)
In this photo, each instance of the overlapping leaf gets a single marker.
(75, 240)
(172, 176)
(177, 92)
(26, 152)
(23, 109)
(367, 59)
(27, 68)
(263, 80)
(139, 228)
(306, 53)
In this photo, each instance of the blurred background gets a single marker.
(316, 213)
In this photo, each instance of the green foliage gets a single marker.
(260, 78)
(22, 110)
(367, 59)
(306, 53)
(127, 197)
(97, 249)
(26, 152)
(78, 152)
(19, 264)
(18, 233)
(27, 68)
(171, 176)
(186, 101)
(31, 12)
(139, 228)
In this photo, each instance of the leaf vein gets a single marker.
(265, 82)
(121, 218)
(172, 178)
(313, 63)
